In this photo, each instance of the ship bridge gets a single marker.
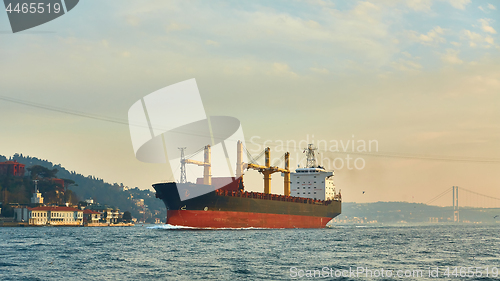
(312, 181)
(310, 170)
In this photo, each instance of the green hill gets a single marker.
(87, 187)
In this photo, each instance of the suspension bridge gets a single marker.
(466, 199)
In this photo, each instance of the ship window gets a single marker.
(308, 187)
(314, 176)
(314, 182)
(309, 193)
(304, 193)
(314, 192)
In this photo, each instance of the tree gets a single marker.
(70, 197)
(127, 216)
(68, 183)
(7, 211)
(41, 171)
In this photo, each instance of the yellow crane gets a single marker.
(266, 170)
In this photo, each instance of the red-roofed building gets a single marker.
(91, 217)
(12, 168)
(59, 182)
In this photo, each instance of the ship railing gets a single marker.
(274, 197)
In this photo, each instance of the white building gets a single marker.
(53, 215)
(312, 181)
(37, 196)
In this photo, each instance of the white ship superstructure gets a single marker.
(312, 181)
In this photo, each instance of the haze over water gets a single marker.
(163, 253)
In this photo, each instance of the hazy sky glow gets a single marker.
(420, 77)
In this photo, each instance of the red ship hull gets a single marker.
(227, 219)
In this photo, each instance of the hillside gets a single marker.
(394, 212)
(87, 187)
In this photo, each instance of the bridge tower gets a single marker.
(456, 217)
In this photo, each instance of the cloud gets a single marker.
(406, 54)
(126, 54)
(485, 26)
(312, 24)
(366, 11)
(321, 3)
(420, 5)
(212, 43)
(432, 37)
(173, 26)
(485, 83)
(425, 5)
(133, 20)
(490, 6)
(282, 69)
(451, 56)
(406, 65)
(319, 70)
(476, 38)
(459, 4)
(489, 40)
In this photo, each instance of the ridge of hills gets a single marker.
(87, 187)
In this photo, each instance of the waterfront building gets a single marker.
(109, 215)
(91, 217)
(49, 215)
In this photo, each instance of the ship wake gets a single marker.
(180, 227)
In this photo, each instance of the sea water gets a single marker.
(343, 252)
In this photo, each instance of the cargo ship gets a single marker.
(310, 197)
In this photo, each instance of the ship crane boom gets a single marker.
(207, 171)
(267, 169)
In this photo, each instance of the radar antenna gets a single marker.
(311, 158)
(183, 166)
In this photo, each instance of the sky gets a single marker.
(418, 78)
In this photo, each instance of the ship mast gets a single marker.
(311, 159)
(207, 170)
(183, 166)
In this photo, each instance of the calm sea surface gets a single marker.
(163, 253)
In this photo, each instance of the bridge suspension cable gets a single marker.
(483, 195)
(439, 196)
